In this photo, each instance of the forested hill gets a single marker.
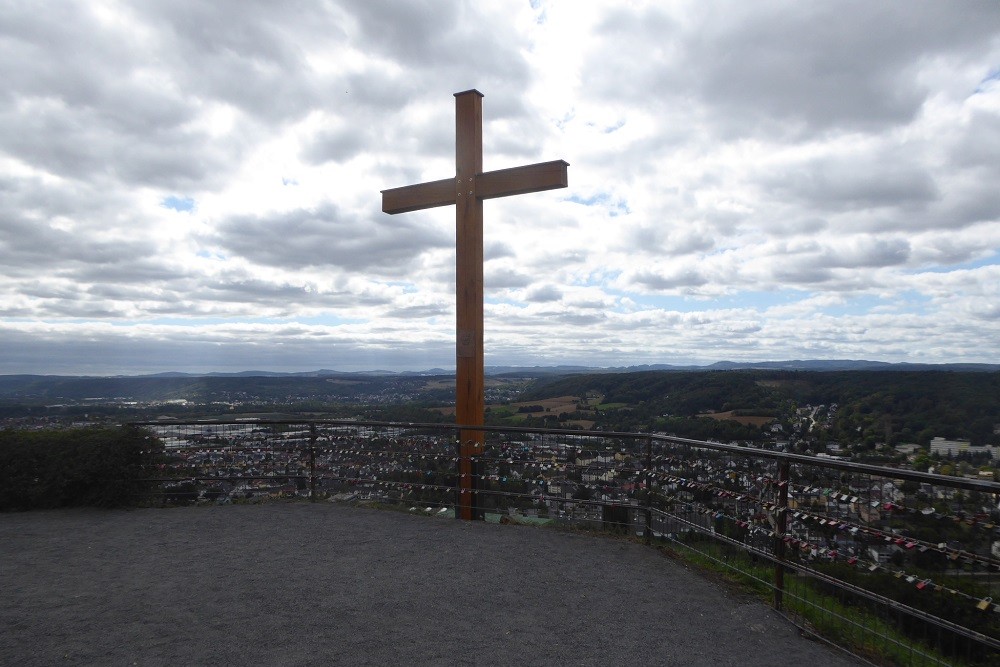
(26, 389)
(884, 406)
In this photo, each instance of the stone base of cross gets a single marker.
(466, 191)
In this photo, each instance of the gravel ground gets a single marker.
(305, 584)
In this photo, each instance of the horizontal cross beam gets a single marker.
(417, 197)
(490, 185)
(520, 180)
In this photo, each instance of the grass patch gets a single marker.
(851, 626)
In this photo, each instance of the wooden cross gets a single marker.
(467, 190)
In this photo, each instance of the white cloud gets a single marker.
(196, 186)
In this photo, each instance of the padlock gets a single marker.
(984, 604)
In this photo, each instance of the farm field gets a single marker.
(748, 420)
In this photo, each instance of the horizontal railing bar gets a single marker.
(857, 590)
(850, 466)
(221, 478)
(752, 452)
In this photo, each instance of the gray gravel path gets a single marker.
(303, 584)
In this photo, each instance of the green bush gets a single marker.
(88, 467)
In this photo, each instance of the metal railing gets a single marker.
(889, 564)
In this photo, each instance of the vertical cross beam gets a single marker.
(469, 361)
(467, 191)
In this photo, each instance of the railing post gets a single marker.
(312, 462)
(781, 529)
(458, 477)
(648, 529)
(478, 480)
(469, 475)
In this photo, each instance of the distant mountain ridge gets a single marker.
(539, 371)
(791, 365)
(333, 384)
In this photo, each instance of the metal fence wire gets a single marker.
(889, 564)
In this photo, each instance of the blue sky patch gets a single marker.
(758, 301)
(208, 254)
(962, 266)
(182, 204)
(859, 305)
(987, 82)
(319, 320)
(615, 207)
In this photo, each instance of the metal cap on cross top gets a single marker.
(466, 191)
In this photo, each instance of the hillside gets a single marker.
(870, 406)
(858, 409)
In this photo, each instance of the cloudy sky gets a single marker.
(194, 186)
